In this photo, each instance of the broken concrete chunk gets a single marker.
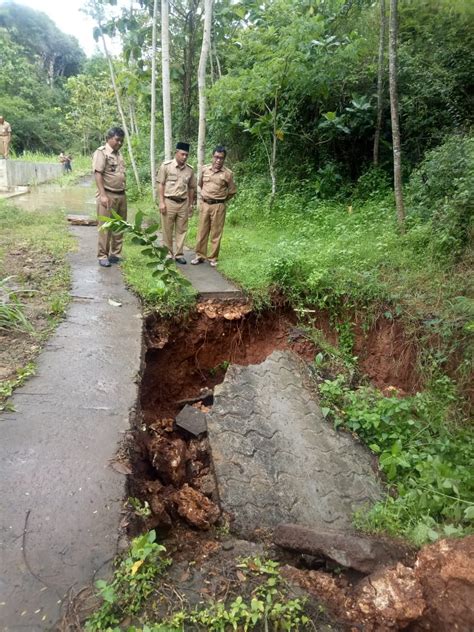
(362, 553)
(192, 420)
(276, 458)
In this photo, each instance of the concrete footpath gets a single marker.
(60, 501)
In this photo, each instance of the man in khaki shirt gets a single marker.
(109, 171)
(5, 137)
(217, 187)
(176, 184)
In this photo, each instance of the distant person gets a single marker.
(109, 171)
(5, 137)
(65, 160)
(176, 188)
(217, 188)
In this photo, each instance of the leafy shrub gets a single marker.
(329, 183)
(441, 193)
(424, 458)
(131, 584)
(375, 182)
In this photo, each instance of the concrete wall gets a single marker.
(15, 173)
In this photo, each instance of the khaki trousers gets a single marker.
(211, 226)
(110, 243)
(4, 145)
(175, 221)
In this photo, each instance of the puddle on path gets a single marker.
(71, 198)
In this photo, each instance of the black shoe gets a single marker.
(104, 263)
(114, 259)
(181, 260)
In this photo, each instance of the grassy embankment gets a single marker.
(34, 280)
(350, 259)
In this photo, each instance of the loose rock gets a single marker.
(362, 553)
(81, 220)
(195, 508)
(192, 420)
(168, 457)
(389, 599)
(445, 571)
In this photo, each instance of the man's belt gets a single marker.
(116, 192)
(208, 201)
(176, 199)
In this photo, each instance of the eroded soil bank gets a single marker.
(171, 474)
(171, 471)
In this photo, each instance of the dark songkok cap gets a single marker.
(183, 146)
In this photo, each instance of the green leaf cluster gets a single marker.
(166, 280)
(268, 607)
(426, 459)
(132, 582)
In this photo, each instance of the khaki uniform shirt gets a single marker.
(5, 129)
(111, 165)
(217, 185)
(177, 180)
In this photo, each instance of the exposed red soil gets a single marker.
(187, 358)
(387, 357)
(436, 595)
(184, 357)
(172, 470)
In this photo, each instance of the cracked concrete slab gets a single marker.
(60, 502)
(276, 458)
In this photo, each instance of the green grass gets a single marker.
(319, 251)
(33, 248)
(46, 232)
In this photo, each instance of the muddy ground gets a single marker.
(32, 276)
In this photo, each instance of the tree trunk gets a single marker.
(165, 70)
(120, 109)
(378, 126)
(189, 64)
(218, 64)
(397, 154)
(153, 101)
(206, 43)
(274, 149)
(133, 117)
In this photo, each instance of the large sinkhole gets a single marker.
(178, 479)
(184, 361)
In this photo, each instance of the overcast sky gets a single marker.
(67, 17)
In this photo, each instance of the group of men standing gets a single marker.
(176, 188)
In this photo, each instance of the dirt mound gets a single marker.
(436, 595)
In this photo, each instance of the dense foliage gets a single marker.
(36, 58)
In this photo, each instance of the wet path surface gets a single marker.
(60, 501)
(78, 198)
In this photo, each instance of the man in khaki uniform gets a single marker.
(217, 187)
(176, 184)
(109, 171)
(5, 137)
